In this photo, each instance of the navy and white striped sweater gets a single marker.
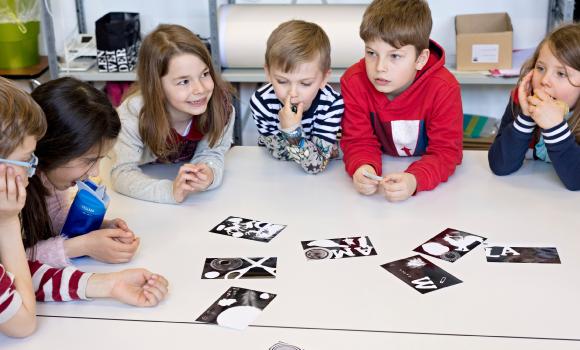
(322, 119)
(314, 143)
(515, 138)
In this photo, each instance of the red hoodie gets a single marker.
(425, 120)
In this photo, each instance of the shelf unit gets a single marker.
(559, 11)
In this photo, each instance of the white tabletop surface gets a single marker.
(335, 304)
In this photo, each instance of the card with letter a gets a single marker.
(512, 254)
(421, 274)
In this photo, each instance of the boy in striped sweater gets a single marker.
(22, 123)
(298, 114)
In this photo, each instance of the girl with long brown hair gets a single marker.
(542, 119)
(179, 110)
(22, 124)
(82, 127)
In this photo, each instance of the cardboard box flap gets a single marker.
(483, 23)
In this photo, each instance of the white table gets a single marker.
(341, 303)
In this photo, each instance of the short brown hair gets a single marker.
(20, 116)
(398, 23)
(294, 42)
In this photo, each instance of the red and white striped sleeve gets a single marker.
(10, 300)
(52, 284)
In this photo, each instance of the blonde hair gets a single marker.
(20, 116)
(564, 43)
(156, 51)
(398, 23)
(294, 42)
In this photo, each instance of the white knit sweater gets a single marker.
(129, 153)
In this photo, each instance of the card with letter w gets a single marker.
(421, 274)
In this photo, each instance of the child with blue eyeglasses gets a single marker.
(22, 282)
(29, 165)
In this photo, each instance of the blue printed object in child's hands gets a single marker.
(87, 210)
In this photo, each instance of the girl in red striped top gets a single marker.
(22, 123)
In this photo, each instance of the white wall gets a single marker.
(529, 18)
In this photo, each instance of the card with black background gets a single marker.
(421, 274)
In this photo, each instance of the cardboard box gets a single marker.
(484, 41)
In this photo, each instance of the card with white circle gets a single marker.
(237, 308)
(450, 245)
(338, 248)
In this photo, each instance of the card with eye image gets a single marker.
(338, 248)
(421, 274)
(256, 230)
(237, 308)
(238, 268)
(507, 254)
(450, 245)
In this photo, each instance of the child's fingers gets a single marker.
(366, 189)
(120, 223)
(288, 103)
(21, 191)
(151, 299)
(160, 279)
(188, 168)
(394, 186)
(2, 181)
(129, 248)
(11, 191)
(201, 176)
(524, 90)
(300, 108)
(187, 186)
(159, 285)
(360, 178)
(533, 101)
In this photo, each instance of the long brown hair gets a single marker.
(564, 43)
(157, 49)
(79, 117)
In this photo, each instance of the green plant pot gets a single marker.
(18, 50)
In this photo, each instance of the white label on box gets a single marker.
(488, 53)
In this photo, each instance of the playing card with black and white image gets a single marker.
(237, 308)
(450, 245)
(251, 229)
(338, 248)
(421, 274)
(238, 268)
(284, 346)
(516, 254)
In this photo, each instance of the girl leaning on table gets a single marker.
(22, 124)
(82, 126)
(179, 110)
(542, 119)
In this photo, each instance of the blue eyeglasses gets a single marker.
(30, 165)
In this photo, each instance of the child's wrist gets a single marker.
(290, 129)
(100, 285)
(292, 135)
(7, 222)
(76, 246)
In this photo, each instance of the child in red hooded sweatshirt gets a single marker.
(400, 100)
